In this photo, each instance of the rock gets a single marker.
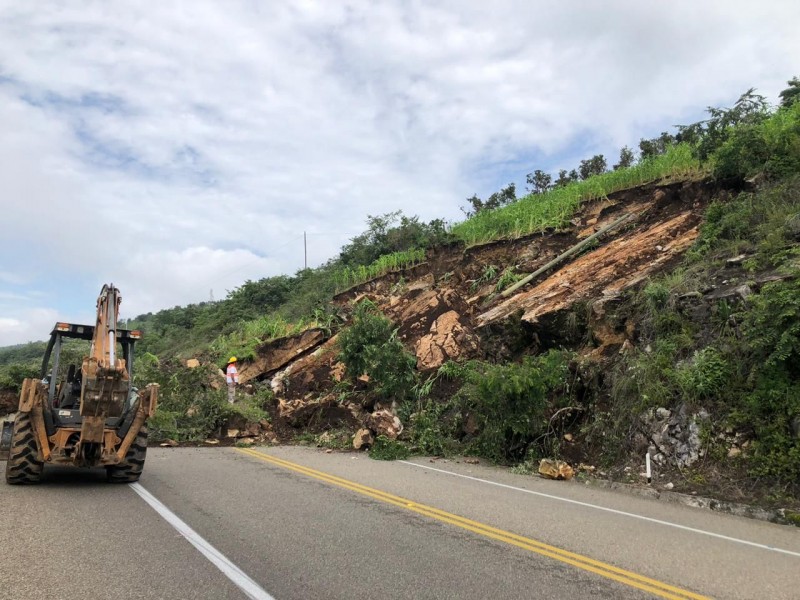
(277, 354)
(362, 438)
(245, 441)
(232, 433)
(736, 260)
(663, 413)
(265, 425)
(384, 422)
(669, 486)
(192, 411)
(568, 437)
(251, 429)
(471, 426)
(337, 371)
(364, 378)
(472, 461)
(328, 451)
(192, 363)
(734, 452)
(168, 443)
(626, 347)
(211, 442)
(744, 291)
(448, 340)
(555, 469)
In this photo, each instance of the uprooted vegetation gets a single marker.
(676, 333)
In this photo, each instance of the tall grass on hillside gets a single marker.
(242, 343)
(389, 262)
(537, 212)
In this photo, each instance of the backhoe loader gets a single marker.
(89, 416)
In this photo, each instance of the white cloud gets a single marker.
(164, 145)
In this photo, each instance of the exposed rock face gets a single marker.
(675, 436)
(448, 340)
(276, 354)
(384, 422)
(621, 263)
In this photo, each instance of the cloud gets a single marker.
(163, 145)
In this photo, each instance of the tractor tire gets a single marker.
(23, 464)
(129, 470)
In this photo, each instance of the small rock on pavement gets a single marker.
(211, 442)
(472, 461)
(169, 444)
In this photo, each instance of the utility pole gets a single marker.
(305, 252)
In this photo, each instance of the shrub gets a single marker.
(388, 449)
(704, 376)
(771, 147)
(511, 403)
(370, 346)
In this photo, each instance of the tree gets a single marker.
(625, 158)
(655, 146)
(539, 181)
(791, 94)
(592, 166)
(708, 135)
(563, 179)
(505, 196)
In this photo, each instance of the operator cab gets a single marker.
(64, 385)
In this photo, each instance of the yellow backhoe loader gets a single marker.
(85, 417)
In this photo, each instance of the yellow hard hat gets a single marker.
(232, 359)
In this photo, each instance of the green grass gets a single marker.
(349, 277)
(554, 209)
(242, 342)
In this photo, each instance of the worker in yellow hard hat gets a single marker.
(232, 377)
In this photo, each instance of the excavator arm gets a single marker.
(105, 382)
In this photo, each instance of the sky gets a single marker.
(179, 149)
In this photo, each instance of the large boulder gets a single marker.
(384, 422)
(362, 439)
(447, 340)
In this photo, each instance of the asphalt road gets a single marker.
(298, 523)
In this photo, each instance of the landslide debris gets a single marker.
(447, 308)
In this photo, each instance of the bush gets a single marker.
(771, 147)
(189, 409)
(704, 376)
(370, 346)
(512, 403)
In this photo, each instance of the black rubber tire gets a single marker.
(132, 465)
(23, 464)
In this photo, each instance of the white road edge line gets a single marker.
(231, 571)
(606, 509)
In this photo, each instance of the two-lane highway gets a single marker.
(299, 523)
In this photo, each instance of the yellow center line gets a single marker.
(629, 578)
